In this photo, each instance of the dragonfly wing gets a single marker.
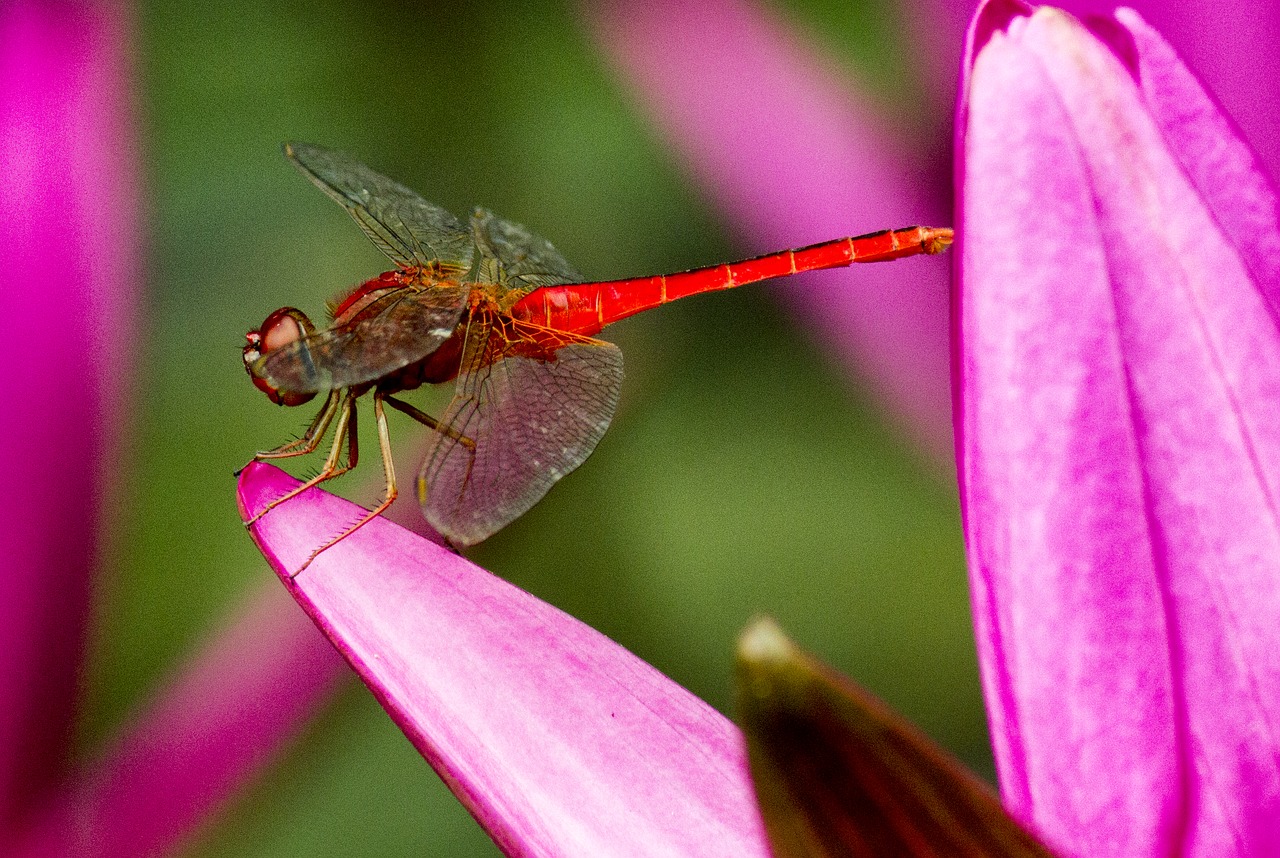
(510, 255)
(411, 324)
(404, 226)
(534, 414)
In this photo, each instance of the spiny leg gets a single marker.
(344, 430)
(435, 425)
(430, 422)
(310, 439)
(384, 442)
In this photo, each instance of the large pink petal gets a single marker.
(1119, 369)
(69, 264)
(771, 131)
(221, 719)
(558, 740)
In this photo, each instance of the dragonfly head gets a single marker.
(283, 327)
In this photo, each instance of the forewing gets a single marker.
(412, 324)
(509, 255)
(534, 415)
(404, 226)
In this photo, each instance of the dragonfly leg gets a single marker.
(310, 439)
(427, 420)
(344, 431)
(384, 442)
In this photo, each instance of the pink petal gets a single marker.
(769, 128)
(69, 259)
(559, 741)
(1119, 373)
(221, 719)
(1231, 43)
(1206, 146)
(1232, 46)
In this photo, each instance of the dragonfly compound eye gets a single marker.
(283, 327)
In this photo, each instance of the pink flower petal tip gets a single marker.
(558, 740)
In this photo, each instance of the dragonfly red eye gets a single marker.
(283, 327)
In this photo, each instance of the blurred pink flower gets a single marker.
(70, 259)
(68, 255)
(1118, 368)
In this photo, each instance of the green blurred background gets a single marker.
(744, 473)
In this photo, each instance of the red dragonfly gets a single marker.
(498, 311)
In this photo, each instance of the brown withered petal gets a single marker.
(837, 773)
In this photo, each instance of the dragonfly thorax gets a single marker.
(283, 327)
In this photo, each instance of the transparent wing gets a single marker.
(511, 256)
(535, 402)
(407, 325)
(404, 226)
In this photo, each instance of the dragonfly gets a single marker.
(496, 310)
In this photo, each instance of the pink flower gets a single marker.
(70, 259)
(1118, 370)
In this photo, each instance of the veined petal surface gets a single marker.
(558, 740)
(1118, 372)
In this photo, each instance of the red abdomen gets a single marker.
(585, 308)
